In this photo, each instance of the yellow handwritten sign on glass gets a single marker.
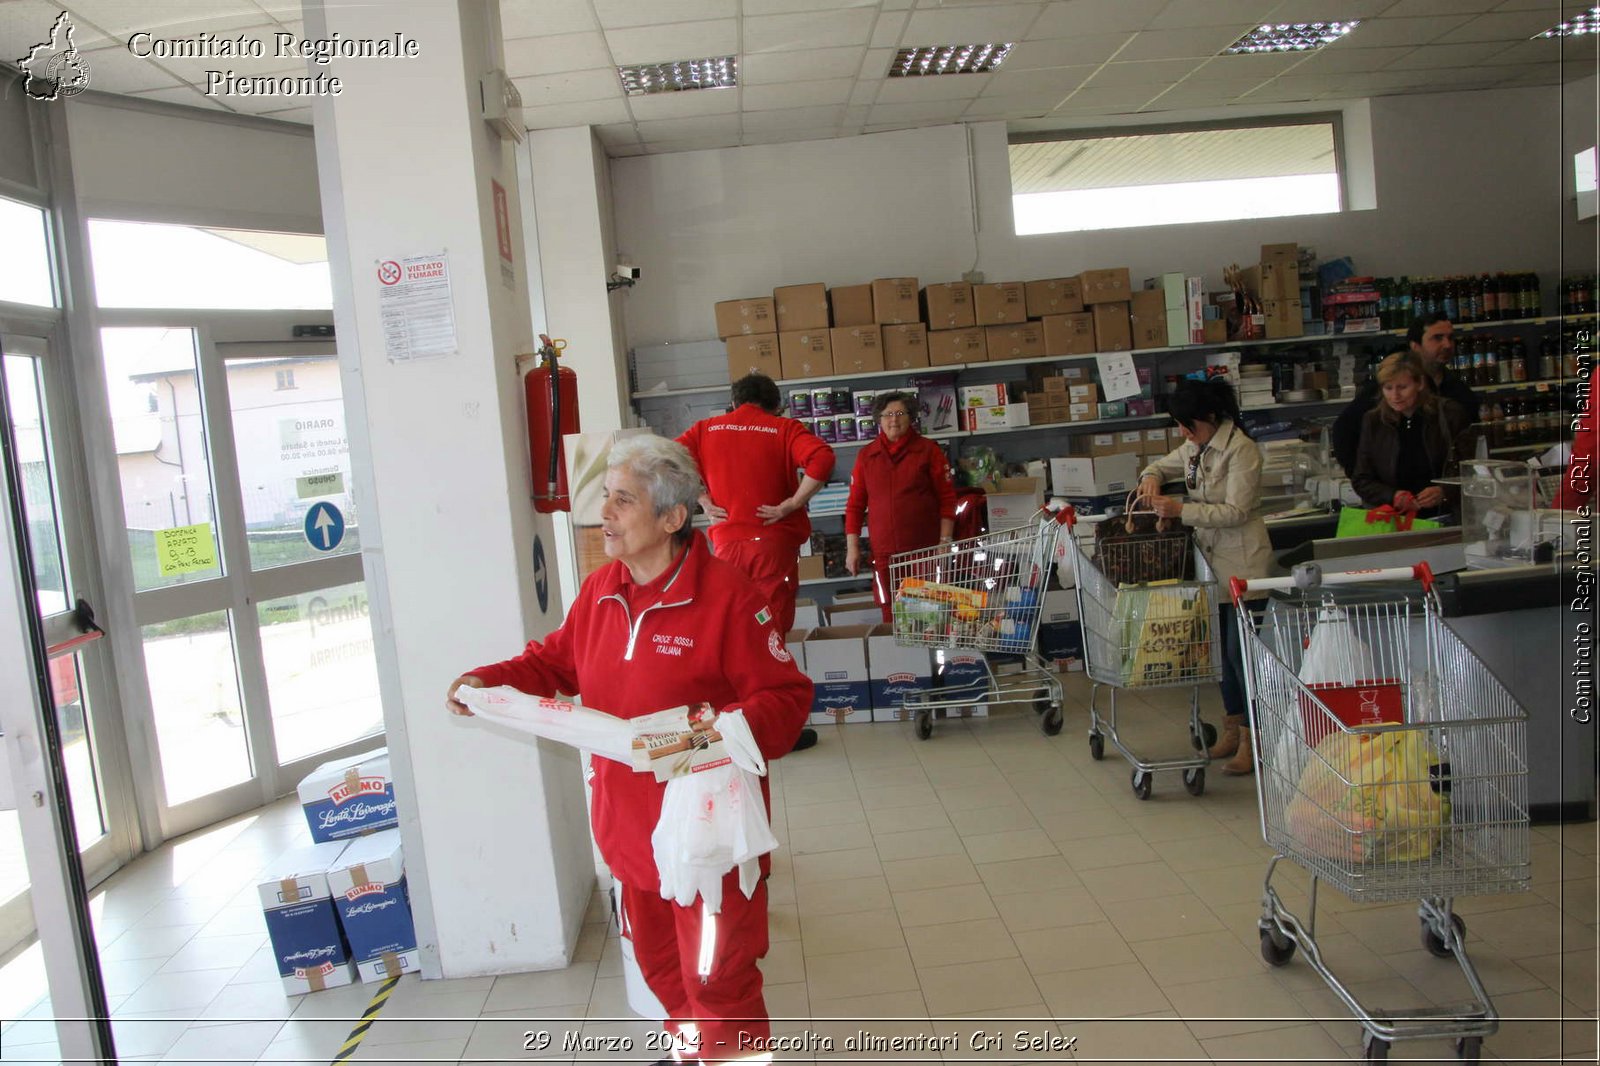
(186, 549)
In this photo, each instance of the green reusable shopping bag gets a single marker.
(1361, 522)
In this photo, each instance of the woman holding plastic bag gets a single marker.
(666, 624)
(1221, 469)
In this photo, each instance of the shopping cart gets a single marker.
(1158, 635)
(1391, 764)
(983, 593)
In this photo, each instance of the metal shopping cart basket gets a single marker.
(1392, 765)
(1160, 632)
(982, 593)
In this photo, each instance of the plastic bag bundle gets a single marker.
(713, 820)
(567, 723)
(1371, 797)
(1334, 653)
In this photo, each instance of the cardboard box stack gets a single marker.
(302, 925)
(368, 887)
(347, 797)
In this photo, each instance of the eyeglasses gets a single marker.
(892, 416)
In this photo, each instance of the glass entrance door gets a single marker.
(244, 548)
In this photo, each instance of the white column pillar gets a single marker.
(497, 847)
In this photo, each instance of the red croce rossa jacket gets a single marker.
(699, 634)
(902, 490)
(749, 458)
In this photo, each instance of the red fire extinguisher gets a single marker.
(552, 396)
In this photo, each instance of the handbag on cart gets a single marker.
(1138, 546)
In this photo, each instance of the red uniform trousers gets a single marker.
(773, 566)
(725, 1008)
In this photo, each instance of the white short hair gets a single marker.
(666, 468)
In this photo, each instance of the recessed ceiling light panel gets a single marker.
(715, 72)
(948, 59)
(1581, 23)
(1290, 37)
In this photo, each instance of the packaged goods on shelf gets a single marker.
(737, 318)
(983, 395)
(1148, 319)
(1094, 475)
(1070, 334)
(800, 307)
(755, 354)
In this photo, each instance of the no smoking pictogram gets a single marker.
(389, 272)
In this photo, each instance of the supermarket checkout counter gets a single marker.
(1520, 620)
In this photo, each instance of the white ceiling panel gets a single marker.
(1187, 14)
(691, 104)
(614, 136)
(621, 14)
(977, 25)
(569, 88)
(1115, 99)
(687, 144)
(940, 87)
(797, 94)
(929, 111)
(793, 118)
(1185, 97)
(815, 64)
(1440, 56)
(25, 23)
(1158, 72)
(1065, 51)
(681, 128)
(166, 18)
(826, 29)
(1509, 26)
(1069, 18)
(1258, 67)
(865, 92)
(528, 56)
(115, 70)
(1328, 10)
(888, 31)
(681, 40)
(186, 95)
(1057, 80)
(1430, 8)
(1383, 32)
(527, 18)
(787, 7)
(1202, 43)
(1528, 74)
(855, 116)
(584, 113)
(1347, 58)
(794, 136)
(986, 107)
(877, 63)
(1540, 51)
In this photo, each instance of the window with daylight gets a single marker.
(1066, 182)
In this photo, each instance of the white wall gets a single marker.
(183, 165)
(1464, 181)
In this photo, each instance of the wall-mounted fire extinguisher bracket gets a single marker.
(551, 391)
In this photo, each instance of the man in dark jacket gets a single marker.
(1433, 340)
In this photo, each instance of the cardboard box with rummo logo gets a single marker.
(350, 796)
(895, 672)
(962, 675)
(301, 922)
(836, 663)
(368, 886)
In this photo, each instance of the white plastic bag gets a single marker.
(567, 723)
(1335, 653)
(714, 820)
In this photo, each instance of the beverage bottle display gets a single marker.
(1385, 303)
(1402, 304)
(1530, 295)
(1476, 373)
(1491, 362)
(1452, 309)
(1419, 302)
(1468, 298)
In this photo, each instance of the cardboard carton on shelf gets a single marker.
(737, 318)
(905, 347)
(1081, 475)
(1054, 296)
(755, 354)
(798, 307)
(948, 306)
(896, 301)
(1000, 303)
(951, 346)
(806, 353)
(983, 395)
(856, 349)
(1148, 319)
(1022, 341)
(1069, 334)
(1113, 329)
(1014, 501)
(851, 305)
(1105, 286)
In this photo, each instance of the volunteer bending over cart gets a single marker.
(663, 625)
(1221, 469)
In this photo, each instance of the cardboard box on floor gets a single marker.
(301, 921)
(895, 672)
(966, 672)
(755, 354)
(349, 796)
(836, 663)
(737, 318)
(1015, 501)
(806, 615)
(368, 885)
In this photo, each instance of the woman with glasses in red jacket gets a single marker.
(901, 490)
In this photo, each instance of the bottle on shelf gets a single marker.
(1488, 305)
(1477, 373)
(1419, 302)
(1451, 305)
(1402, 304)
(1530, 295)
(1491, 362)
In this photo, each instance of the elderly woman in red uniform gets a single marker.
(667, 624)
(901, 487)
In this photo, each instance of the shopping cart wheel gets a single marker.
(1276, 948)
(1097, 746)
(1142, 780)
(1437, 946)
(1206, 740)
(1468, 1048)
(924, 725)
(1376, 1049)
(1195, 780)
(1052, 720)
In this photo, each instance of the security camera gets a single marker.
(623, 277)
(627, 270)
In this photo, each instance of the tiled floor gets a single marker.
(990, 880)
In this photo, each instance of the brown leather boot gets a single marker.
(1242, 763)
(1228, 741)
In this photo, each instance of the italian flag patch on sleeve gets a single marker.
(763, 616)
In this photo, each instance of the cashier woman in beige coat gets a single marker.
(1221, 470)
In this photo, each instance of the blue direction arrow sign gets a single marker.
(324, 527)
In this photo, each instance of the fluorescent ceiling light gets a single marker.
(1581, 23)
(948, 59)
(714, 72)
(1290, 37)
